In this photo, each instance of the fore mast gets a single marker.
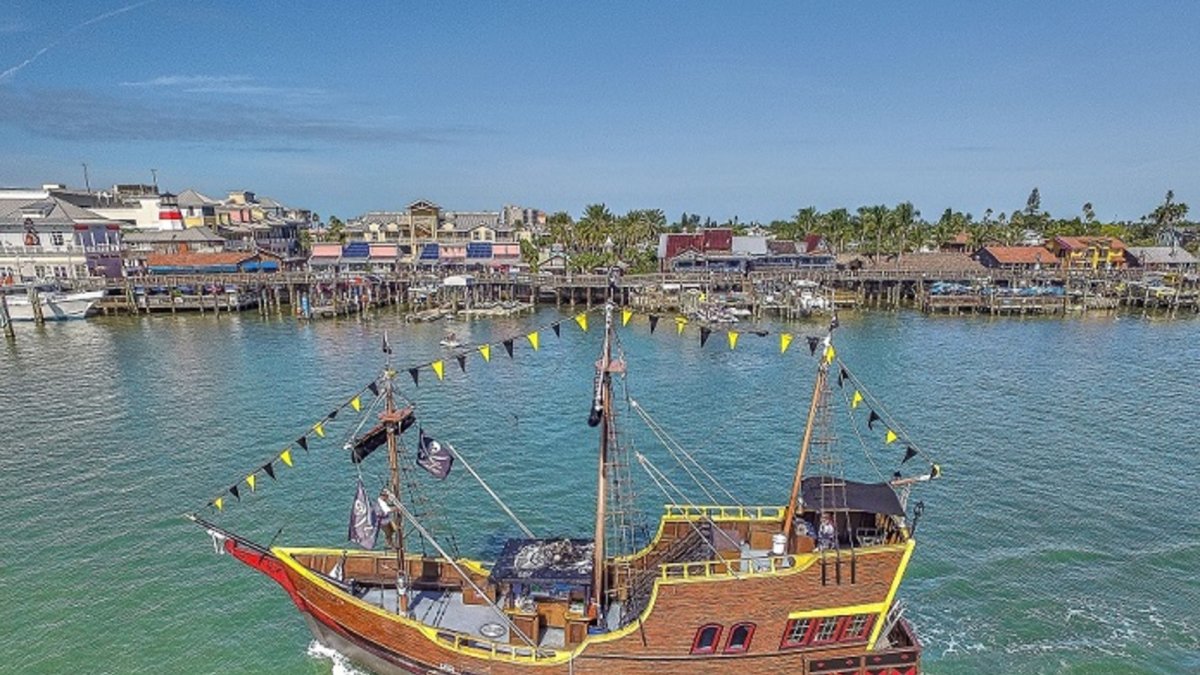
(392, 419)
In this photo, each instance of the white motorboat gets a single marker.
(56, 306)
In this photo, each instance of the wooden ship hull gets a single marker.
(770, 594)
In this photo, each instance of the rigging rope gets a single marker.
(651, 470)
(877, 405)
(673, 447)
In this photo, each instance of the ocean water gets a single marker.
(1063, 538)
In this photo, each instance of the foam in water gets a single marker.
(340, 664)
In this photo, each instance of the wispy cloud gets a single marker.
(189, 81)
(232, 85)
(10, 25)
(76, 115)
(8, 74)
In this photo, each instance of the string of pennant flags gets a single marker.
(286, 458)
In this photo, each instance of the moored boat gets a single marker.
(55, 305)
(808, 585)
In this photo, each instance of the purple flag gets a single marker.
(434, 457)
(364, 521)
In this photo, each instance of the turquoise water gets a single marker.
(1065, 536)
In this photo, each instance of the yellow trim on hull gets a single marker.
(887, 603)
(869, 608)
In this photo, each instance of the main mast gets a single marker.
(391, 418)
(806, 442)
(601, 415)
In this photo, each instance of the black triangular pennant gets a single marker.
(303, 442)
(270, 470)
(909, 453)
(653, 323)
(704, 333)
(508, 347)
(462, 361)
(842, 376)
(872, 419)
(557, 330)
(374, 389)
(333, 415)
(416, 375)
(761, 333)
(233, 490)
(812, 344)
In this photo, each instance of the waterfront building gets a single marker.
(225, 262)
(43, 237)
(200, 210)
(1088, 253)
(427, 235)
(1016, 257)
(1161, 258)
(719, 250)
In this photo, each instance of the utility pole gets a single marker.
(154, 175)
(86, 181)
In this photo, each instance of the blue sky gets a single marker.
(747, 109)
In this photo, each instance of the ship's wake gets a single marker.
(340, 665)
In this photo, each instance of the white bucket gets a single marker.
(778, 544)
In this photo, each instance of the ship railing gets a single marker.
(740, 567)
(721, 512)
(483, 647)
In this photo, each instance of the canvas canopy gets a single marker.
(834, 494)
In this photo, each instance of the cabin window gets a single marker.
(56, 238)
(796, 632)
(856, 627)
(706, 639)
(739, 638)
(826, 631)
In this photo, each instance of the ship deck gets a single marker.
(446, 609)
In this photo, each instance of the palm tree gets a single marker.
(903, 219)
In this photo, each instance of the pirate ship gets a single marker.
(807, 586)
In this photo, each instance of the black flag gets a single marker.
(812, 344)
(872, 419)
(508, 347)
(332, 415)
(909, 453)
(234, 491)
(374, 389)
(761, 333)
(704, 333)
(653, 323)
(269, 469)
(843, 375)
(303, 442)
(416, 375)
(364, 521)
(433, 456)
(557, 330)
(462, 361)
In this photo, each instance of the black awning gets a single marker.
(561, 561)
(834, 494)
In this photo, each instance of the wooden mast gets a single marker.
(391, 419)
(602, 406)
(806, 442)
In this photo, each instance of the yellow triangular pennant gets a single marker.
(219, 502)
(356, 403)
(533, 339)
(785, 341)
(626, 315)
(733, 336)
(856, 399)
(439, 367)
(319, 427)
(286, 456)
(680, 322)
(250, 481)
(891, 437)
(830, 354)
(486, 352)
(581, 319)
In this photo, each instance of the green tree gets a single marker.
(1163, 221)
(530, 255)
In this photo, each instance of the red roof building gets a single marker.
(1016, 257)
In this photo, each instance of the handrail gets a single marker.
(721, 512)
(467, 643)
(741, 567)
